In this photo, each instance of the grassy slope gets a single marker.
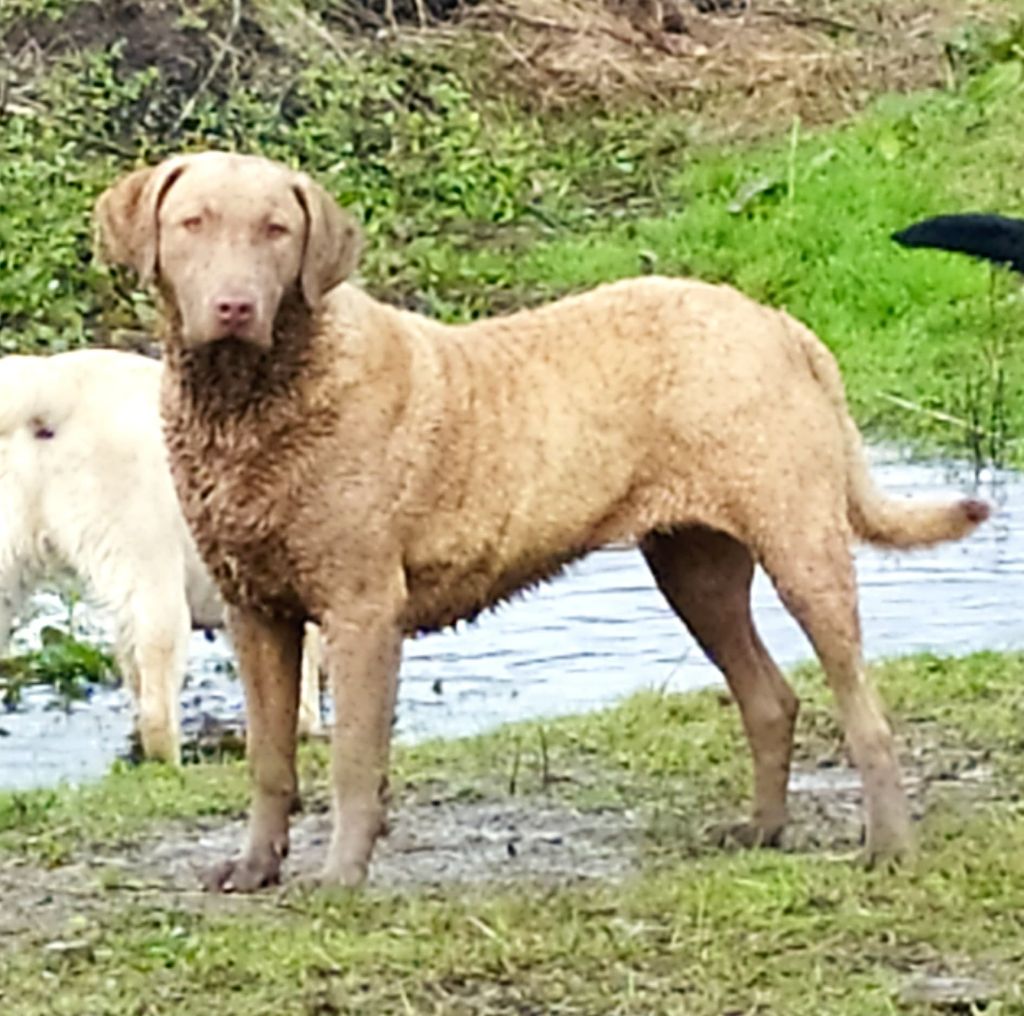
(697, 931)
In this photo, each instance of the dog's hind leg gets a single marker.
(140, 580)
(10, 603)
(14, 587)
(811, 565)
(157, 657)
(706, 577)
(310, 713)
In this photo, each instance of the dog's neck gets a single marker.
(231, 377)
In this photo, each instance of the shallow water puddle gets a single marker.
(583, 641)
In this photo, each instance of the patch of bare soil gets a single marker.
(145, 34)
(439, 842)
(224, 47)
(446, 843)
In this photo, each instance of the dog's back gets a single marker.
(84, 486)
(69, 424)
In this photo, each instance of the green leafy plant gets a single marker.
(70, 667)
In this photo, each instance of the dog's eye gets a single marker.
(193, 223)
(276, 230)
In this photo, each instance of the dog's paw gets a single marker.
(885, 861)
(342, 874)
(888, 842)
(744, 836)
(886, 854)
(242, 875)
(320, 885)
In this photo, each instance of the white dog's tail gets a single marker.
(34, 392)
(27, 394)
(875, 517)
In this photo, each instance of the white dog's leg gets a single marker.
(161, 666)
(310, 715)
(12, 596)
(8, 611)
(157, 653)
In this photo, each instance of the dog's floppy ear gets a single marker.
(125, 217)
(333, 241)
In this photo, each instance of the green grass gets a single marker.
(696, 931)
(746, 934)
(48, 825)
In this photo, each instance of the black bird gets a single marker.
(995, 237)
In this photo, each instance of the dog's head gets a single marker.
(227, 237)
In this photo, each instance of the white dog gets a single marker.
(85, 485)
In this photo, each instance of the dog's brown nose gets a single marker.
(233, 311)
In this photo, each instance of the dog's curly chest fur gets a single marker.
(232, 493)
(234, 515)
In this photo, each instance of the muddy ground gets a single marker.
(440, 840)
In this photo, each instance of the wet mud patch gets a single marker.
(449, 843)
(445, 844)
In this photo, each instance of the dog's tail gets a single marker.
(26, 393)
(20, 392)
(875, 517)
(995, 237)
(898, 523)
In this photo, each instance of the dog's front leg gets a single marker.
(363, 649)
(269, 657)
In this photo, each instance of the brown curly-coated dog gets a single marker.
(380, 473)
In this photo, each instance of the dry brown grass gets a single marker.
(741, 70)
